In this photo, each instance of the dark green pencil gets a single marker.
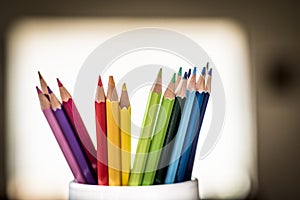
(171, 132)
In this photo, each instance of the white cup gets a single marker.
(184, 190)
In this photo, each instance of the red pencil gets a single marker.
(78, 125)
(100, 110)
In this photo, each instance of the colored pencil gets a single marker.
(191, 131)
(159, 133)
(60, 138)
(125, 128)
(43, 85)
(113, 135)
(74, 117)
(189, 73)
(72, 139)
(179, 74)
(190, 164)
(148, 123)
(100, 111)
(171, 131)
(184, 121)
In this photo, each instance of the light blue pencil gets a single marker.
(183, 126)
(191, 131)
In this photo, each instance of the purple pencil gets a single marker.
(60, 138)
(72, 139)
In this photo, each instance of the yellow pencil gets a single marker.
(113, 134)
(125, 126)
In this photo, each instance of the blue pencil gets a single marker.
(190, 165)
(184, 121)
(191, 131)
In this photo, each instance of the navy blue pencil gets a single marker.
(191, 131)
(190, 165)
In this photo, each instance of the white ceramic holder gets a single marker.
(184, 190)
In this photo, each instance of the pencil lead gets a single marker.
(203, 71)
(189, 73)
(195, 70)
(173, 78)
(185, 75)
(111, 81)
(49, 90)
(100, 81)
(210, 72)
(38, 90)
(180, 71)
(124, 87)
(59, 83)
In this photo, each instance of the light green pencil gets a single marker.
(159, 133)
(136, 174)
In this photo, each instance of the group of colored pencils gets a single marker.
(170, 129)
(110, 164)
(168, 138)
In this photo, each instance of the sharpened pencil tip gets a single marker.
(49, 90)
(111, 81)
(38, 90)
(180, 71)
(210, 72)
(40, 76)
(159, 73)
(203, 71)
(100, 81)
(207, 66)
(185, 75)
(189, 73)
(173, 78)
(124, 87)
(195, 70)
(59, 83)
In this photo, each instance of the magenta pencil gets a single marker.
(59, 136)
(76, 121)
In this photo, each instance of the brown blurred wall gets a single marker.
(274, 30)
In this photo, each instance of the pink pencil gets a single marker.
(63, 144)
(78, 125)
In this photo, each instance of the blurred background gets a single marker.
(272, 30)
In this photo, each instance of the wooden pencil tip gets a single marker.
(38, 90)
(203, 71)
(160, 73)
(195, 70)
(173, 78)
(185, 75)
(124, 87)
(111, 81)
(210, 72)
(59, 83)
(49, 90)
(40, 76)
(189, 73)
(180, 71)
(100, 81)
